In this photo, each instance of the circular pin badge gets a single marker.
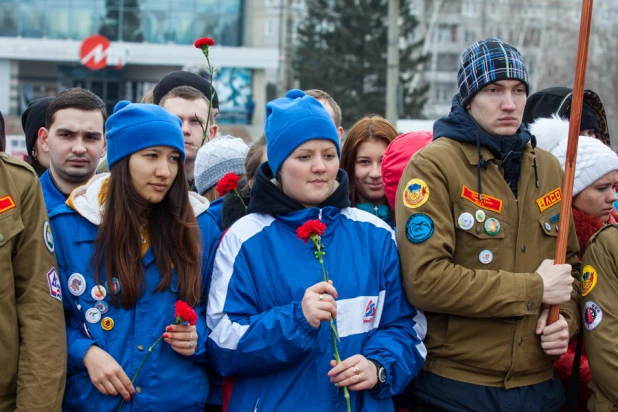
(102, 307)
(48, 237)
(480, 216)
(93, 315)
(107, 323)
(486, 256)
(77, 284)
(492, 226)
(98, 292)
(115, 287)
(547, 227)
(465, 221)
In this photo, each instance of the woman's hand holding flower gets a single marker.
(182, 338)
(319, 303)
(356, 372)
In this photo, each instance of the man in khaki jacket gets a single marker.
(599, 284)
(33, 349)
(477, 213)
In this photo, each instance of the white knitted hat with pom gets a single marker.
(594, 159)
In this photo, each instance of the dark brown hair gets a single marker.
(187, 93)
(322, 95)
(75, 98)
(254, 158)
(370, 127)
(174, 238)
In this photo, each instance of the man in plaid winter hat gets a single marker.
(477, 212)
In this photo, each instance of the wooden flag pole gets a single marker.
(571, 155)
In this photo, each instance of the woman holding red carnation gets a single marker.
(269, 308)
(131, 244)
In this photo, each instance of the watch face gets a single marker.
(382, 375)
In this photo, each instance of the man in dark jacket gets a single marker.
(478, 209)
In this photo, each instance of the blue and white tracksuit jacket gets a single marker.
(168, 381)
(259, 334)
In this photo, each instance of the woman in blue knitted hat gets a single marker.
(122, 272)
(271, 301)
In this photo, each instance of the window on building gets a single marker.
(443, 92)
(447, 33)
(447, 62)
(470, 36)
(470, 8)
(270, 27)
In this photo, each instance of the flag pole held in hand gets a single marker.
(571, 154)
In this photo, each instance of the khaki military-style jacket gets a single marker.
(599, 284)
(33, 358)
(470, 263)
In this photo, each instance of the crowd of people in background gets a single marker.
(359, 271)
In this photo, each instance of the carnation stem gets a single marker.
(150, 349)
(240, 198)
(334, 333)
(211, 71)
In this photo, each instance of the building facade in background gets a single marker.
(120, 49)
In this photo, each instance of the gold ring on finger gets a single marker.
(321, 296)
(356, 370)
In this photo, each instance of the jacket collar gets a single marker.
(268, 198)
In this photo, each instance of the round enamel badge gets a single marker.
(98, 292)
(102, 307)
(93, 315)
(416, 193)
(480, 216)
(107, 323)
(77, 284)
(589, 279)
(486, 257)
(592, 315)
(492, 226)
(465, 221)
(48, 238)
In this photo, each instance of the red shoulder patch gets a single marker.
(6, 203)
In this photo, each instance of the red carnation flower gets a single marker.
(204, 41)
(312, 227)
(184, 313)
(227, 183)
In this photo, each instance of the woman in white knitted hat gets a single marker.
(596, 176)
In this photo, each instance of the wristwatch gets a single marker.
(381, 372)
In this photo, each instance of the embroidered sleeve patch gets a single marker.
(54, 284)
(589, 279)
(550, 199)
(6, 203)
(48, 238)
(419, 228)
(416, 193)
(592, 315)
(488, 202)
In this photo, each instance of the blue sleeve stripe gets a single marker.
(225, 333)
(358, 215)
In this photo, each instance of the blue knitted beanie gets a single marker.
(137, 126)
(293, 120)
(488, 61)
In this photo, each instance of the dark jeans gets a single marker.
(433, 393)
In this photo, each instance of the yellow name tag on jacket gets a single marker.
(550, 199)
